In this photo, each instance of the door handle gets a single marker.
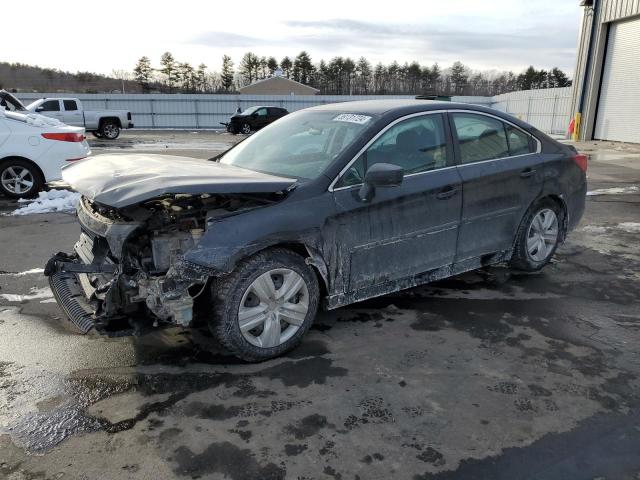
(527, 172)
(447, 192)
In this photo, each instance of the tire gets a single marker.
(20, 178)
(253, 289)
(245, 129)
(109, 130)
(538, 236)
(96, 134)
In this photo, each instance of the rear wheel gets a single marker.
(538, 236)
(109, 130)
(20, 178)
(263, 308)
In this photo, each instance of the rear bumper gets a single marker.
(576, 202)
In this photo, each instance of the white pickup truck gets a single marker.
(102, 123)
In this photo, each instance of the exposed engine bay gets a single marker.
(130, 260)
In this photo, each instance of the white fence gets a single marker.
(548, 110)
(545, 109)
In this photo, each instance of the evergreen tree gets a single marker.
(168, 68)
(143, 72)
(272, 65)
(302, 68)
(185, 76)
(226, 74)
(249, 67)
(363, 70)
(458, 76)
(262, 64)
(201, 78)
(527, 79)
(557, 78)
(286, 65)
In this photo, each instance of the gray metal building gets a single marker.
(606, 94)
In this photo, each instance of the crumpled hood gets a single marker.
(122, 180)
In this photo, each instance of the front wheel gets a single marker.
(20, 179)
(265, 306)
(538, 236)
(246, 128)
(110, 130)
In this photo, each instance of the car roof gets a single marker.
(401, 106)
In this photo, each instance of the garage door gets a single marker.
(619, 105)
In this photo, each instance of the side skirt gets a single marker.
(340, 300)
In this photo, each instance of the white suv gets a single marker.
(34, 148)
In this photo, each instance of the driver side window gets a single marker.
(417, 145)
(262, 112)
(50, 106)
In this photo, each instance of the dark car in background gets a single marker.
(329, 206)
(254, 118)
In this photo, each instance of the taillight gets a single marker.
(581, 161)
(64, 137)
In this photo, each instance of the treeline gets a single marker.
(338, 76)
(28, 78)
(342, 76)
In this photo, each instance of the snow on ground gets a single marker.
(629, 227)
(48, 202)
(594, 229)
(33, 271)
(614, 191)
(34, 293)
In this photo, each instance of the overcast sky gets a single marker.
(85, 35)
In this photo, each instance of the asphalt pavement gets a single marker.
(489, 375)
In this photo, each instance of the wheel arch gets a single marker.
(558, 200)
(562, 204)
(312, 257)
(103, 120)
(24, 159)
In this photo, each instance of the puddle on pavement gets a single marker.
(70, 414)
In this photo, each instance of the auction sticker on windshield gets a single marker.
(352, 118)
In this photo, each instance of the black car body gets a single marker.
(254, 118)
(418, 191)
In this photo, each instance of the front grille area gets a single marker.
(70, 297)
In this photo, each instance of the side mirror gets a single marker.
(380, 175)
(40, 109)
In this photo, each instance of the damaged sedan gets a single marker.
(325, 207)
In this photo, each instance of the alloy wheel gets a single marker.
(110, 131)
(246, 128)
(16, 179)
(273, 308)
(542, 235)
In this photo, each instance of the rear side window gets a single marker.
(417, 145)
(70, 105)
(50, 106)
(480, 137)
(519, 142)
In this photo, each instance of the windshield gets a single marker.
(249, 110)
(10, 103)
(300, 145)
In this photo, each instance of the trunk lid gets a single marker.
(122, 180)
